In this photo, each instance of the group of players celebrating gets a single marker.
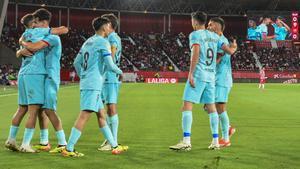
(209, 82)
(39, 77)
(260, 32)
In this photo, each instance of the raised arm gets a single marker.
(59, 30)
(286, 26)
(194, 60)
(231, 49)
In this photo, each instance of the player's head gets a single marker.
(198, 19)
(216, 24)
(28, 21)
(278, 21)
(252, 23)
(101, 25)
(42, 17)
(266, 19)
(113, 20)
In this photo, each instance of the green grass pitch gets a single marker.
(268, 130)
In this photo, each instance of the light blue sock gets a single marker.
(44, 136)
(224, 120)
(108, 135)
(13, 132)
(28, 134)
(114, 126)
(61, 138)
(187, 119)
(74, 137)
(108, 122)
(214, 124)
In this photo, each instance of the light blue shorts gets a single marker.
(222, 94)
(34, 88)
(110, 93)
(51, 90)
(204, 92)
(22, 96)
(90, 100)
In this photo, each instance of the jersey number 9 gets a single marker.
(210, 56)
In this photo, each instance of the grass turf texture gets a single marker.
(150, 120)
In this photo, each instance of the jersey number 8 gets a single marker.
(85, 62)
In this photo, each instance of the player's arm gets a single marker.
(59, 30)
(77, 63)
(23, 52)
(108, 61)
(219, 57)
(231, 49)
(270, 37)
(286, 26)
(21, 39)
(194, 60)
(35, 46)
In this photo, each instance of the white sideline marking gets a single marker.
(14, 94)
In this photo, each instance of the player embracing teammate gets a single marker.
(200, 87)
(38, 80)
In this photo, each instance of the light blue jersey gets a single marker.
(224, 72)
(53, 55)
(36, 63)
(262, 30)
(209, 43)
(89, 63)
(114, 40)
(280, 32)
(252, 33)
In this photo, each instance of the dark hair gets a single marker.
(266, 16)
(43, 14)
(26, 19)
(220, 21)
(113, 20)
(200, 16)
(99, 22)
(280, 17)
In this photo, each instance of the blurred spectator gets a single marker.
(7, 73)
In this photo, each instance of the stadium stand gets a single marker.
(151, 52)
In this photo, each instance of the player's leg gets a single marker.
(191, 95)
(110, 96)
(14, 128)
(89, 102)
(113, 119)
(44, 133)
(116, 149)
(50, 110)
(208, 98)
(82, 119)
(34, 85)
(18, 116)
(59, 132)
(33, 111)
(222, 94)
